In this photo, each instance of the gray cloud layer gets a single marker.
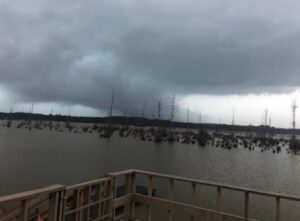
(75, 51)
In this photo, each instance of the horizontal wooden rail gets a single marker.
(31, 194)
(219, 187)
(122, 201)
(88, 183)
(99, 199)
(186, 208)
(15, 212)
(213, 184)
(33, 199)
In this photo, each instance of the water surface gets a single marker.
(31, 159)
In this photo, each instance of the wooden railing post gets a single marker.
(77, 203)
(61, 204)
(132, 191)
(128, 184)
(277, 217)
(24, 210)
(193, 201)
(53, 207)
(171, 198)
(246, 206)
(149, 207)
(128, 190)
(113, 195)
(218, 203)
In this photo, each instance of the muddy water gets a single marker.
(30, 159)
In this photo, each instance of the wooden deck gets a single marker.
(97, 200)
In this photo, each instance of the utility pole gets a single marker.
(200, 118)
(294, 107)
(32, 106)
(112, 103)
(187, 115)
(233, 117)
(69, 111)
(143, 110)
(158, 110)
(266, 117)
(125, 112)
(11, 108)
(173, 107)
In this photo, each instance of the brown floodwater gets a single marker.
(37, 158)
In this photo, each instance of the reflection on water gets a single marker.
(30, 159)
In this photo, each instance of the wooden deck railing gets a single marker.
(115, 198)
(31, 205)
(89, 201)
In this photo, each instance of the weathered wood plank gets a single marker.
(107, 201)
(24, 210)
(224, 186)
(88, 183)
(53, 206)
(277, 215)
(186, 208)
(68, 212)
(32, 203)
(31, 193)
(122, 201)
(150, 189)
(246, 205)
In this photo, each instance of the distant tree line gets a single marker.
(139, 121)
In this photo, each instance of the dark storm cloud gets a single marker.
(76, 51)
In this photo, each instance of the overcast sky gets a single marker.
(66, 56)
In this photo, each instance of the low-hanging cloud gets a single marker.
(76, 52)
